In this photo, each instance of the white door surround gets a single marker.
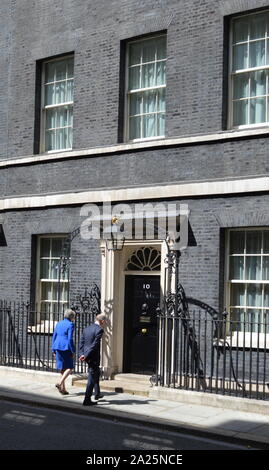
(113, 272)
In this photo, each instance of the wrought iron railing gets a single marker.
(26, 335)
(213, 354)
(196, 350)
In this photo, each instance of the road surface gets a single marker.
(26, 427)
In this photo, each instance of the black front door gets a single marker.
(142, 296)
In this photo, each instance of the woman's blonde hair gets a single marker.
(69, 314)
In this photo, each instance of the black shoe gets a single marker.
(88, 402)
(99, 396)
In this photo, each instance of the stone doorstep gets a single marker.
(133, 384)
(117, 386)
(137, 378)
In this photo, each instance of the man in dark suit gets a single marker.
(89, 349)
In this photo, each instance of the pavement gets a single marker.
(235, 420)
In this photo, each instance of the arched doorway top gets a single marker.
(146, 258)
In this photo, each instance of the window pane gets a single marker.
(46, 291)
(150, 102)
(149, 127)
(49, 94)
(240, 32)
(60, 139)
(161, 100)
(69, 137)
(257, 26)
(257, 110)
(45, 247)
(160, 124)
(253, 319)
(60, 92)
(61, 69)
(64, 292)
(258, 84)
(265, 269)
(62, 117)
(44, 269)
(51, 115)
(235, 319)
(238, 294)
(148, 76)
(237, 267)
(49, 72)
(160, 73)
(254, 242)
(54, 269)
(135, 52)
(149, 50)
(237, 242)
(70, 67)
(43, 310)
(69, 90)
(254, 295)
(256, 54)
(56, 290)
(49, 141)
(241, 86)
(135, 128)
(161, 47)
(56, 247)
(136, 104)
(266, 242)
(267, 56)
(266, 297)
(266, 321)
(253, 268)
(240, 57)
(134, 78)
(70, 117)
(240, 113)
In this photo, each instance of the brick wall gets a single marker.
(32, 31)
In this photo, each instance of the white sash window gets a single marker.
(248, 279)
(57, 109)
(146, 88)
(250, 70)
(52, 279)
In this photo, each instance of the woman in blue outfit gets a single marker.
(63, 347)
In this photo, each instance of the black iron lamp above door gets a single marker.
(113, 235)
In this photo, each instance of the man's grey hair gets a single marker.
(69, 314)
(101, 317)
